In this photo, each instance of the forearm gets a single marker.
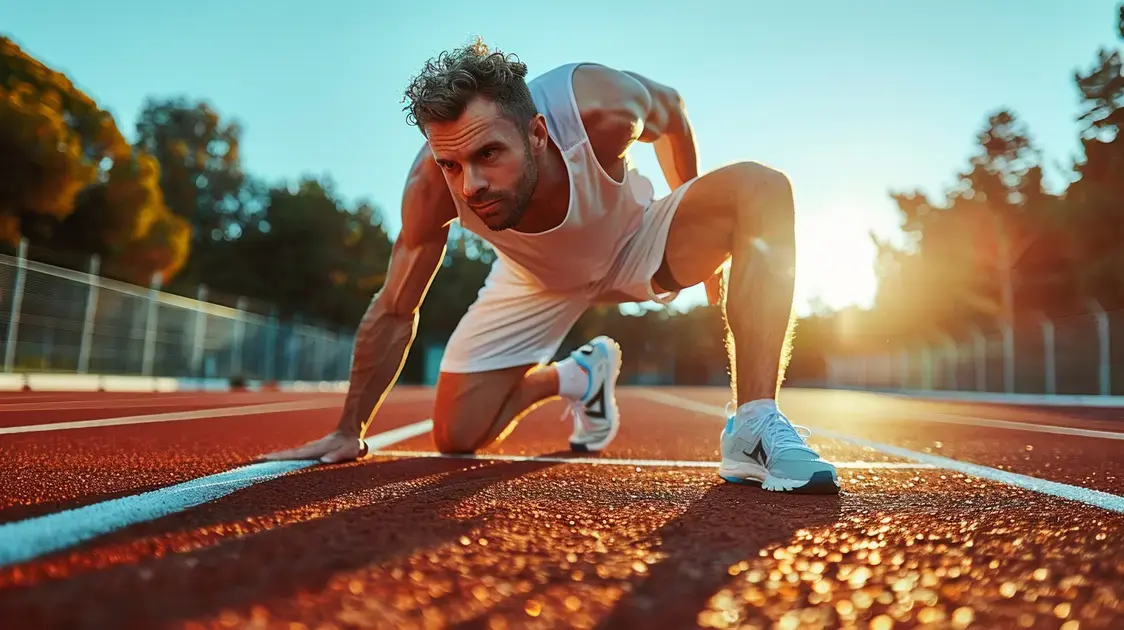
(382, 343)
(676, 149)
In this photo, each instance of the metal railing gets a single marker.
(54, 319)
(1079, 355)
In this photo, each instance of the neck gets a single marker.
(550, 202)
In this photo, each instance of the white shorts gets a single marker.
(514, 322)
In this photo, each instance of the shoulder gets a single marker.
(427, 204)
(606, 95)
(612, 105)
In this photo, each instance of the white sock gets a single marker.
(573, 381)
(757, 408)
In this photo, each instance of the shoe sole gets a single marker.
(614, 413)
(822, 482)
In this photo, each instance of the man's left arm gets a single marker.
(619, 108)
(622, 107)
(668, 128)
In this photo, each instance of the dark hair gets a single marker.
(448, 83)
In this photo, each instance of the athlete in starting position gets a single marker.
(540, 170)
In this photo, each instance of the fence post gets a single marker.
(94, 281)
(1050, 358)
(1105, 354)
(952, 361)
(293, 349)
(1008, 358)
(17, 305)
(926, 367)
(981, 359)
(239, 337)
(905, 369)
(150, 324)
(270, 345)
(200, 332)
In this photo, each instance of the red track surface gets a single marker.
(426, 542)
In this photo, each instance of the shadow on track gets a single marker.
(323, 536)
(726, 525)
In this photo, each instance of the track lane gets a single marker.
(47, 472)
(413, 544)
(1090, 462)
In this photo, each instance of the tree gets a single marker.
(1096, 199)
(309, 254)
(42, 166)
(125, 221)
(69, 180)
(202, 180)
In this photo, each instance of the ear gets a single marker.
(537, 135)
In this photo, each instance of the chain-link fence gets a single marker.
(54, 319)
(1079, 355)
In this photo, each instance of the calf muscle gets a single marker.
(474, 410)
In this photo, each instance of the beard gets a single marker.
(510, 208)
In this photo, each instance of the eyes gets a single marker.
(487, 155)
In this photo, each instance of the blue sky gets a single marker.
(851, 99)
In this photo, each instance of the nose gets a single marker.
(473, 183)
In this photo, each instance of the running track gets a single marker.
(952, 516)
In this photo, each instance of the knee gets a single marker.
(761, 180)
(765, 196)
(455, 438)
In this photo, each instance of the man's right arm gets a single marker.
(387, 329)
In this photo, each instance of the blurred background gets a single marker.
(211, 189)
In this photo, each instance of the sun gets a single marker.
(835, 259)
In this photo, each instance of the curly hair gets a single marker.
(446, 85)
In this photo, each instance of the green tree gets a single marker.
(309, 254)
(202, 180)
(1096, 199)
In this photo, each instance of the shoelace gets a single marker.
(780, 433)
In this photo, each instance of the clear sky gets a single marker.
(852, 99)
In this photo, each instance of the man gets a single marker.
(541, 171)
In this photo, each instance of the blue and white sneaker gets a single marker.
(760, 445)
(595, 416)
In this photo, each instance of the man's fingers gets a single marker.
(312, 450)
(345, 453)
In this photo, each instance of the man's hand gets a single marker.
(330, 449)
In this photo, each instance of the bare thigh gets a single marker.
(700, 239)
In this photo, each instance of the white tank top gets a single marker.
(603, 213)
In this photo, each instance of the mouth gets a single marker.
(486, 209)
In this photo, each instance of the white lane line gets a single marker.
(1096, 498)
(607, 461)
(176, 416)
(21, 541)
(1019, 426)
(77, 405)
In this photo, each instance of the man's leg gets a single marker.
(495, 369)
(743, 213)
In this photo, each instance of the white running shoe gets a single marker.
(760, 445)
(595, 416)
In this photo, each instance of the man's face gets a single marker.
(489, 162)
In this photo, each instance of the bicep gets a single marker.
(662, 104)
